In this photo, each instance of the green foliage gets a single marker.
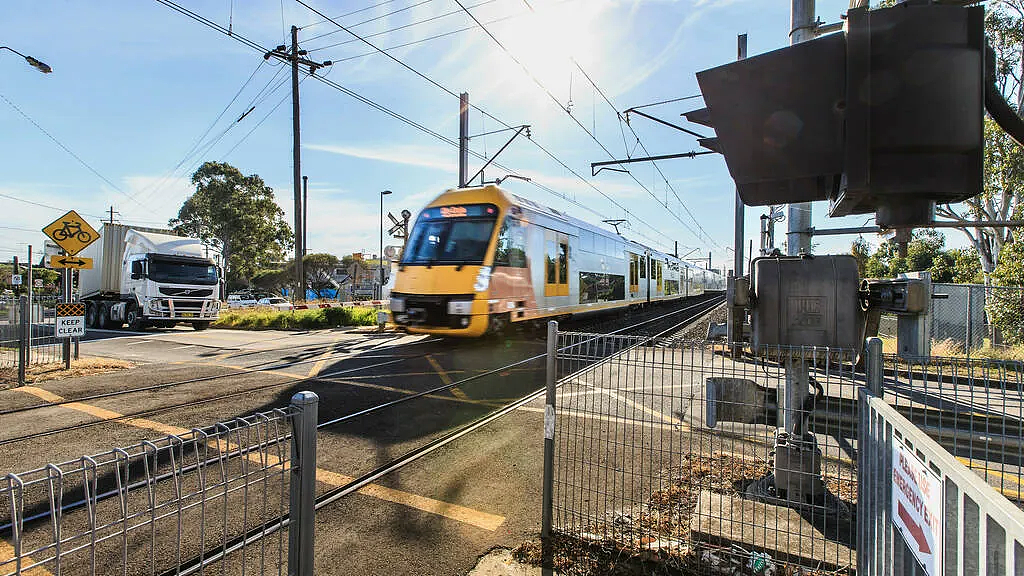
(1006, 307)
(50, 278)
(861, 251)
(271, 280)
(925, 252)
(237, 213)
(318, 269)
(297, 319)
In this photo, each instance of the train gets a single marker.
(481, 259)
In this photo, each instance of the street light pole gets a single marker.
(31, 61)
(380, 255)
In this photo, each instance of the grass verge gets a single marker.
(82, 367)
(296, 319)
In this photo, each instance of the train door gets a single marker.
(556, 264)
(645, 277)
(634, 274)
(684, 278)
(659, 283)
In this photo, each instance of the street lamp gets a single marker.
(380, 255)
(42, 67)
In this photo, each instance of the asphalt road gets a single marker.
(437, 515)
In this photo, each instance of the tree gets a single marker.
(926, 251)
(1003, 195)
(319, 270)
(1006, 307)
(861, 252)
(238, 214)
(272, 280)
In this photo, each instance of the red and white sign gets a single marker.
(917, 508)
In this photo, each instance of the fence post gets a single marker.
(302, 485)
(549, 445)
(24, 338)
(873, 365)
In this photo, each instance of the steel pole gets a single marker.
(302, 492)
(463, 139)
(798, 239)
(549, 446)
(738, 217)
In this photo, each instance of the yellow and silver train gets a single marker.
(479, 259)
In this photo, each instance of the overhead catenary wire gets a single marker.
(453, 94)
(568, 112)
(412, 123)
(367, 21)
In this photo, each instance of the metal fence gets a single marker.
(962, 316)
(973, 407)
(43, 346)
(663, 451)
(960, 524)
(225, 495)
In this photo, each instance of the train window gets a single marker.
(634, 273)
(563, 267)
(549, 263)
(511, 247)
(643, 266)
(586, 241)
(657, 274)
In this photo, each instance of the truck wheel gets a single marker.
(200, 325)
(90, 315)
(134, 319)
(103, 317)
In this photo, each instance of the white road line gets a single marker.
(138, 342)
(184, 347)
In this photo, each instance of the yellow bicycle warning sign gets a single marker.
(71, 232)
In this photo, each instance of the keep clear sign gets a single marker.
(917, 508)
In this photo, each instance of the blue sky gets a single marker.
(135, 85)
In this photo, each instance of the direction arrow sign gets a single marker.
(71, 232)
(76, 262)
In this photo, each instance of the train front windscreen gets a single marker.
(457, 234)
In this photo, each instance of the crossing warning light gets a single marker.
(884, 117)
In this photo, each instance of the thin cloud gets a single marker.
(407, 155)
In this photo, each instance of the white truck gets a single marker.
(148, 277)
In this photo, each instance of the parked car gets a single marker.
(241, 301)
(277, 303)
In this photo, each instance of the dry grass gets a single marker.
(952, 349)
(82, 367)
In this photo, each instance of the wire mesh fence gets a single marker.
(211, 499)
(667, 451)
(973, 407)
(44, 347)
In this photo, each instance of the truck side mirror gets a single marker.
(137, 270)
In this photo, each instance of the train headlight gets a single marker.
(483, 279)
(460, 307)
(398, 304)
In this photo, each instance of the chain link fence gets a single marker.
(234, 498)
(966, 317)
(43, 346)
(665, 451)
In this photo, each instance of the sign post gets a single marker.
(917, 508)
(72, 234)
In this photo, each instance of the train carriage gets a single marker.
(479, 259)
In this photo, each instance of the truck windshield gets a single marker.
(182, 271)
(451, 235)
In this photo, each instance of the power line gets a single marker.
(395, 29)
(41, 205)
(71, 153)
(566, 110)
(347, 14)
(408, 121)
(375, 18)
(452, 93)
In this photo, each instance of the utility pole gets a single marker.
(798, 238)
(737, 266)
(463, 139)
(296, 58)
(305, 212)
(112, 212)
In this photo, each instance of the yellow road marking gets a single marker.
(456, 512)
(484, 520)
(322, 359)
(446, 379)
(7, 553)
